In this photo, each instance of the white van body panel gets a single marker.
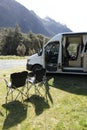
(34, 59)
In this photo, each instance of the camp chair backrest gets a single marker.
(18, 79)
(40, 73)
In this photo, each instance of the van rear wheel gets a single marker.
(35, 67)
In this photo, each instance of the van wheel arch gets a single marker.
(36, 66)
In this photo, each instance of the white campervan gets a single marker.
(64, 53)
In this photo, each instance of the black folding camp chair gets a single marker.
(17, 82)
(37, 79)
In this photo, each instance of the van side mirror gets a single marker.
(40, 52)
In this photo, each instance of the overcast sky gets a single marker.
(73, 13)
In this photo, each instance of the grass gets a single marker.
(13, 57)
(66, 108)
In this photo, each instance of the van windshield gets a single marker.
(52, 48)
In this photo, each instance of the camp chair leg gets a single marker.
(29, 86)
(37, 90)
(11, 91)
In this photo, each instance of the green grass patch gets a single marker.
(13, 57)
(66, 108)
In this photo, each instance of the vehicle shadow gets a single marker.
(71, 83)
(17, 112)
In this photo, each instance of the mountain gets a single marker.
(12, 13)
(54, 27)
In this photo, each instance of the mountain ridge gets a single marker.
(12, 13)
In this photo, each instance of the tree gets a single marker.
(11, 42)
(21, 49)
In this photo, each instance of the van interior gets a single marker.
(74, 55)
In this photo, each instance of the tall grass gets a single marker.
(66, 108)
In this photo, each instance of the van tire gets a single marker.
(35, 67)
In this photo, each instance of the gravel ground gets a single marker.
(7, 64)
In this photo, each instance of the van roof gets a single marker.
(59, 35)
(74, 33)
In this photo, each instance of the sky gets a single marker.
(72, 13)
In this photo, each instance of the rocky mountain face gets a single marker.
(12, 13)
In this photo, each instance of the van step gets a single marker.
(70, 69)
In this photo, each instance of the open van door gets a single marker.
(51, 56)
